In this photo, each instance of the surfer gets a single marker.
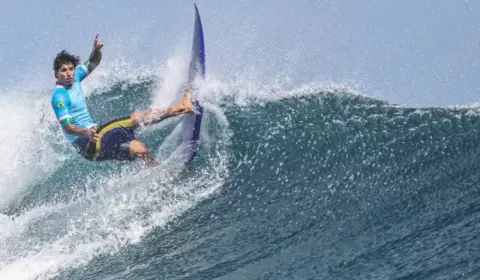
(114, 140)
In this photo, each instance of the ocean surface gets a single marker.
(312, 182)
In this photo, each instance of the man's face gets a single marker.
(65, 74)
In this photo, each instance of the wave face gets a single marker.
(301, 184)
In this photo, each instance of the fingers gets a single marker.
(92, 134)
(97, 44)
(94, 138)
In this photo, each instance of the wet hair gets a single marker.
(64, 57)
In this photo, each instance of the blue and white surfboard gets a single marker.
(192, 122)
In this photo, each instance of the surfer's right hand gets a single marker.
(92, 135)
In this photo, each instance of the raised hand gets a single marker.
(96, 44)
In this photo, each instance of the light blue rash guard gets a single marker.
(69, 104)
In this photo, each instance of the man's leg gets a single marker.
(139, 149)
(154, 116)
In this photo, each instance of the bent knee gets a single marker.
(138, 148)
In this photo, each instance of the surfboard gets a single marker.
(192, 122)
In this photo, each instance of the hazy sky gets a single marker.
(413, 52)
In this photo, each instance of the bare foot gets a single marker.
(186, 102)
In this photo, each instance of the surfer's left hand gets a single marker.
(96, 44)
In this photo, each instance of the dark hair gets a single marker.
(64, 57)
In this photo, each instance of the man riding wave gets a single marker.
(114, 140)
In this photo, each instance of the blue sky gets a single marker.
(417, 53)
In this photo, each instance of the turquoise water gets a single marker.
(309, 183)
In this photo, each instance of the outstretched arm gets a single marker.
(95, 56)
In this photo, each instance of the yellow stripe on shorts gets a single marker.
(123, 122)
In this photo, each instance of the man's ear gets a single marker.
(55, 74)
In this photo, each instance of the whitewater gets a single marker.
(317, 180)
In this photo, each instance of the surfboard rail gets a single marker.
(192, 122)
